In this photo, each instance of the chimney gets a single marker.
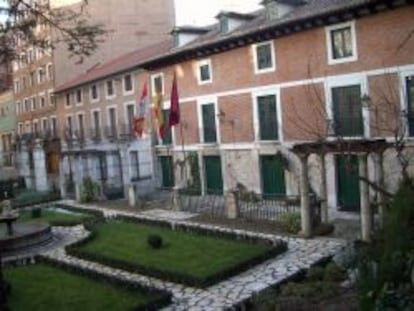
(276, 9)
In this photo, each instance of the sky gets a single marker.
(203, 12)
(2, 15)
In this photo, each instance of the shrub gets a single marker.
(36, 213)
(155, 241)
(89, 190)
(315, 273)
(291, 222)
(32, 197)
(333, 273)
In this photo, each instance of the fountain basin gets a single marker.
(24, 236)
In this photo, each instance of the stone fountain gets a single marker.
(17, 238)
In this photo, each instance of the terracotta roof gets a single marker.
(119, 64)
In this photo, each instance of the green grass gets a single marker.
(54, 218)
(195, 255)
(42, 287)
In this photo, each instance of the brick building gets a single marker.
(37, 71)
(254, 87)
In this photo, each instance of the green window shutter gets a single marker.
(209, 123)
(347, 110)
(167, 140)
(268, 126)
(167, 170)
(273, 176)
(213, 176)
(264, 56)
(410, 105)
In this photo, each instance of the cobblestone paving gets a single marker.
(300, 255)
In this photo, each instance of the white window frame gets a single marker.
(124, 91)
(53, 130)
(18, 107)
(49, 78)
(343, 81)
(50, 97)
(20, 128)
(108, 119)
(328, 30)
(126, 104)
(153, 77)
(404, 100)
(107, 96)
(206, 101)
(39, 96)
(78, 103)
(267, 91)
(42, 125)
(92, 123)
(210, 69)
(70, 94)
(273, 57)
(81, 113)
(94, 100)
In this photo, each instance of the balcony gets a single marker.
(95, 135)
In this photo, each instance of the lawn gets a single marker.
(185, 257)
(54, 218)
(43, 287)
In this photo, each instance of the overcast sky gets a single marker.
(203, 12)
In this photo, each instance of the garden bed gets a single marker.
(193, 256)
(51, 285)
(54, 217)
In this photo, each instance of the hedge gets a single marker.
(32, 197)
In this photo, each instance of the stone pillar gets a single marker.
(379, 160)
(78, 177)
(62, 181)
(305, 211)
(232, 205)
(176, 198)
(323, 192)
(132, 199)
(366, 219)
(39, 159)
(126, 180)
(24, 166)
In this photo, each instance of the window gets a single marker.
(96, 119)
(112, 131)
(45, 125)
(157, 84)
(35, 127)
(81, 127)
(264, 57)
(78, 96)
(204, 72)
(410, 104)
(208, 115)
(94, 92)
(341, 43)
(69, 124)
(130, 112)
(347, 110)
(128, 85)
(41, 75)
(17, 86)
(53, 127)
(42, 101)
(26, 105)
(110, 92)
(18, 108)
(167, 140)
(32, 78)
(50, 72)
(34, 103)
(68, 100)
(21, 130)
(224, 24)
(134, 165)
(267, 117)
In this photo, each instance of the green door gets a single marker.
(212, 173)
(167, 169)
(273, 176)
(347, 183)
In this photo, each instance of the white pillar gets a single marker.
(304, 198)
(62, 181)
(78, 177)
(126, 180)
(323, 192)
(366, 219)
(379, 167)
(39, 159)
(24, 166)
(132, 199)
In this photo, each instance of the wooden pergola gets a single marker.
(360, 147)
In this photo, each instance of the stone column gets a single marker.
(132, 198)
(78, 177)
(366, 219)
(126, 180)
(232, 205)
(39, 159)
(62, 181)
(379, 160)
(323, 192)
(304, 198)
(24, 166)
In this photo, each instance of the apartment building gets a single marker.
(37, 71)
(96, 111)
(255, 87)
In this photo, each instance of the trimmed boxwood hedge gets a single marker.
(276, 249)
(74, 209)
(164, 297)
(32, 197)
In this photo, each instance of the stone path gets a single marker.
(301, 254)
